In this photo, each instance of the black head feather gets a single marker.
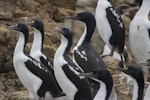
(38, 24)
(66, 32)
(68, 35)
(85, 17)
(89, 20)
(137, 74)
(21, 27)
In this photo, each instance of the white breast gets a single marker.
(139, 40)
(102, 22)
(28, 79)
(67, 86)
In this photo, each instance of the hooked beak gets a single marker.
(12, 27)
(72, 17)
(120, 69)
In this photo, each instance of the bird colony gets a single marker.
(85, 76)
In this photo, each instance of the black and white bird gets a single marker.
(111, 28)
(105, 82)
(139, 33)
(32, 74)
(37, 47)
(136, 74)
(86, 57)
(67, 73)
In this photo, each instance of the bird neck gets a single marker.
(21, 43)
(87, 34)
(138, 90)
(102, 92)
(38, 41)
(144, 9)
(64, 47)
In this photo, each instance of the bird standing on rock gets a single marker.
(67, 73)
(32, 74)
(86, 57)
(37, 49)
(111, 28)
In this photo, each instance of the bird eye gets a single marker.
(126, 68)
(16, 25)
(32, 21)
(64, 29)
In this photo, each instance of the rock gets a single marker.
(85, 3)
(19, 95)
(10, 87)
(131, 2)
(5, 52)
(69, 4)
(60, 14)
(50, 11)
(2, 86)
(43, 2)
(117, 2)
(3, 95)
(21, 10)
(6, 9)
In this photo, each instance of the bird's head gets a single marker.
(37, 24)
(133, 71)
(20, 27)
(64, 31)
(83, 16)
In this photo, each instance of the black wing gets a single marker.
(46, 62)
(88, 59)
(118, 31)
(84, 92)
(43, 73)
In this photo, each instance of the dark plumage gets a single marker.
(37, 48)
(136, 74)
(66, 72)
(33, 75)
(86, 57)
(111, 28)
